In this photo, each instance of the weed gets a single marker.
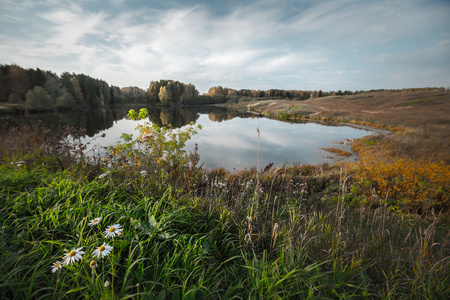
(370, 142)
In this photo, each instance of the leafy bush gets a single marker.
(156, 149)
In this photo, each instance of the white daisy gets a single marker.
(102, 251)
(56, 266)
(73, 256)
(95, 221)
(113, 230)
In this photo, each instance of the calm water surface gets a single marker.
(228, 139)
(233, 144)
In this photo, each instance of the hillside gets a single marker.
(421, 119)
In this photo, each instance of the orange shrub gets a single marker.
(416, 186)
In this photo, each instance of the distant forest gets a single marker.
(38, 90)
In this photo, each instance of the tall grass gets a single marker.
(288, 233)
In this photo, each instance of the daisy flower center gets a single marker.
(112, 229)
(95, 221)
(101, 248)
(71, 253)
(57, 265)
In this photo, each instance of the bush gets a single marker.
(416, 186)
(156, 148)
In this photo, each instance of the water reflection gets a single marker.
(228, 138)
(233, 144)
(94, 121)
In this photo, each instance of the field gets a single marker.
(420, 119)
(375, 229)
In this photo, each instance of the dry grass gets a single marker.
(338, 151)
(408, 168)
(420, 120)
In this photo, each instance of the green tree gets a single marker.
(78, 93)
(36, 77)
(15, 99)
(53, 85)
(65, 101)
(154, 90)
(38, 99)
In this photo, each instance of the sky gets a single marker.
(281, 44)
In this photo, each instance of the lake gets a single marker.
(228, 139)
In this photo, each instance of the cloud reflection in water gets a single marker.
(223, 144)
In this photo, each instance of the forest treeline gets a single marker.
(38, 90)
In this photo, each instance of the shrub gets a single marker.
(156, 148)
(414, 185)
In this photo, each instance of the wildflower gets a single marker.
(73, 256)
(103, 251)
(93, 265)
(103, 175)
(18, 163)
(248, 184)
(95, 221)
(113, 230)
(56, 266)
(106, 283)
(143, 173)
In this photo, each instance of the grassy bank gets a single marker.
(305, 231)
(420, 120)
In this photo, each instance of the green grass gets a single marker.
(178, 245)
(300, 232)
(370, 142)
(49, 217)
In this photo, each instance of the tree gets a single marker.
(36, 77)
(154, 90)
(3, 87)
(38, 99)
(65, 101)
(18, 80)
(189, 93)
(77, 89)
(53, 85)
(165, 95)
(15, 99)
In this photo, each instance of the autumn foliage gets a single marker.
(412, 185)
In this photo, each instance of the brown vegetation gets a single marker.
(337, 151)
(420, 120)
(407, 168)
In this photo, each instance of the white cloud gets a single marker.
(264, 44)
(437, 55)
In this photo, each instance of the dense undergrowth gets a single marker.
(179, 232)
